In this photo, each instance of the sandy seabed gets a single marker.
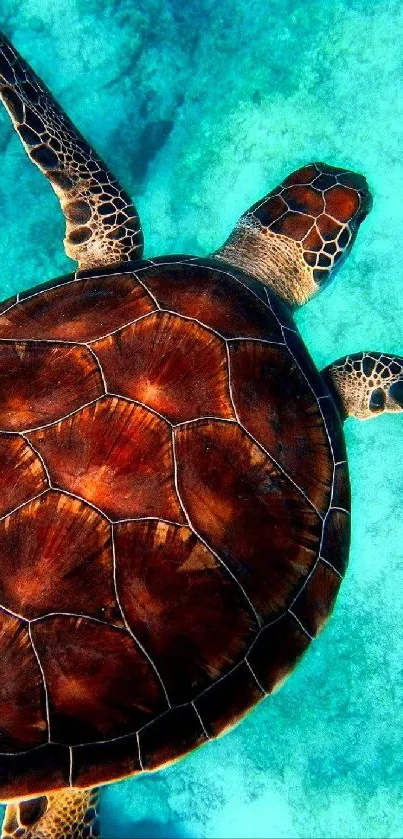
(201, 108)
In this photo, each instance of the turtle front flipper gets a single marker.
(366, 384)
(294, 237)
(102, 225)
(59, 815)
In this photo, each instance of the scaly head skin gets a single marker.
(63, 814)
(294, 238)
(366, 384)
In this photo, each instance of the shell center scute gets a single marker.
(115, 454)
(172, 365)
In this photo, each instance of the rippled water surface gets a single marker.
(201, 107)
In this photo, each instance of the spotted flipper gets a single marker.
(366, 384)
(294, 237)
(67, 814)
(102, 226)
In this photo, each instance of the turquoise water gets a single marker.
(201, 107)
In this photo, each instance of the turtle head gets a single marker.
(295, 237)
(366, 384)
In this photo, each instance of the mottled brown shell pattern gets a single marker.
(174, 521)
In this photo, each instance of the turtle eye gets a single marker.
(396, 392)
(377, 400)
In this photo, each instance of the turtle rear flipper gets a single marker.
(102, 225)
(59, 815)
(366, 384)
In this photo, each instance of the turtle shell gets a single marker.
(174, 519)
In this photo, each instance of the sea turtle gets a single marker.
(175, 506)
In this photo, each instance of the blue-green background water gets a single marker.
(201, 107)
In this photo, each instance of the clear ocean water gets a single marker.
(201, 106)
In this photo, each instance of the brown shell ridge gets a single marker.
(117, 270)
(161, 261)
(147, 290)
(53, 488)
(65, 280)
(178, 706)
(85, 501)
(342, 509)
(236, 278)
(281, 469)
(205, 690)
(24, 503)
(13, 614)
(197, 712)
(78, 276)
(99, 365)
(42, 288)
(248, 664)
(231, 392)
(59, 419)
(201, 419)
(30, 751)
(259, 445)
(237, 666)
(125, 631)
(166, 311)
(69, 615)
(323, 518)
(128, 628)
(39, 456)
(92, 618)
(171, 707)
(275, 315)
(45, 687)
(42, 340)
(22, 480)
(293, 615)
(319, 398)
(15, 300)
(150, 518)
(215, 331)
(250, 340)
(206, 545)
(141, 405)
(122, 327)
(326, 561)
